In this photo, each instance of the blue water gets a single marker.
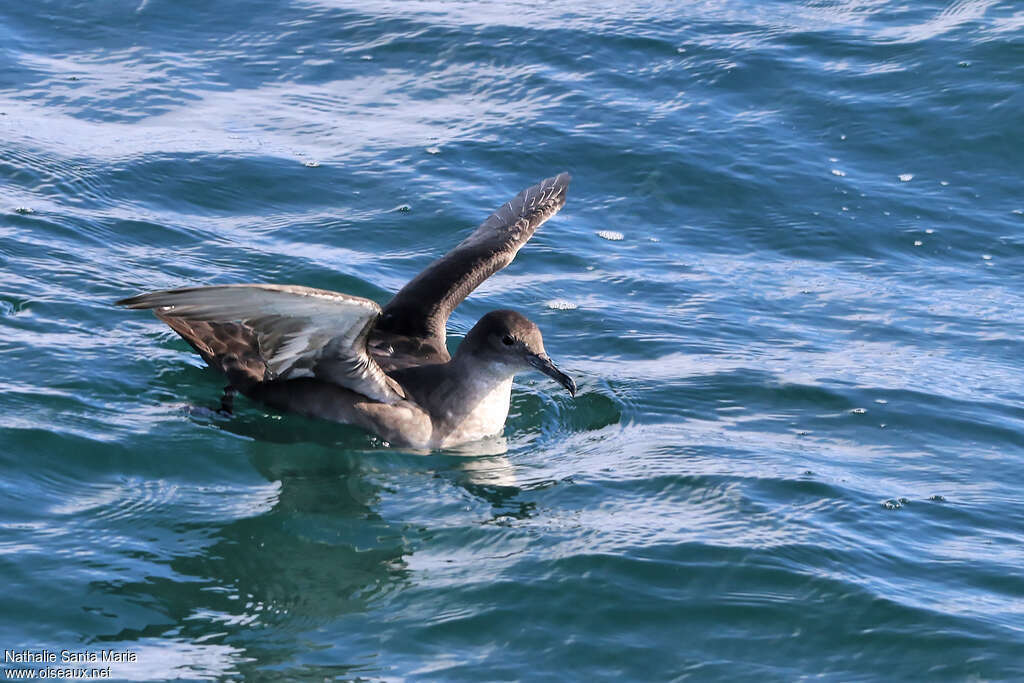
(798, 447)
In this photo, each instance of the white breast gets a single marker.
(486, 419)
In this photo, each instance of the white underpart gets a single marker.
(487, 418)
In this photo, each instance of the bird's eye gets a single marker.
(507, 340)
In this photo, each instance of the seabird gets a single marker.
(341, 357)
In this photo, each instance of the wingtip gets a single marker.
(561, 181)
(556, 187)
(129, 301)
(141, 302)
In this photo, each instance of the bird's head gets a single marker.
(510, 339)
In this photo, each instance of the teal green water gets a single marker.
(798, 447)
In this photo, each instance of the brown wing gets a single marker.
(414, 321)
(267, 332)
(232, 348)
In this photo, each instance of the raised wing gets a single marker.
(420, 310)
(291, 331)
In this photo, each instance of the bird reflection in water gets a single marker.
(318, 552)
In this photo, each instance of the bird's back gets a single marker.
(397, 352)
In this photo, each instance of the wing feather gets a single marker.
(420, 310)
(300, 331)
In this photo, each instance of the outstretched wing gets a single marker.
(290, 331)
(420, 310)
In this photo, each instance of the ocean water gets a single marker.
(798, 448)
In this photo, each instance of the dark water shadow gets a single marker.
(320, 553)
(241, 599)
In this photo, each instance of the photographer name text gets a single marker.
(67, 656)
